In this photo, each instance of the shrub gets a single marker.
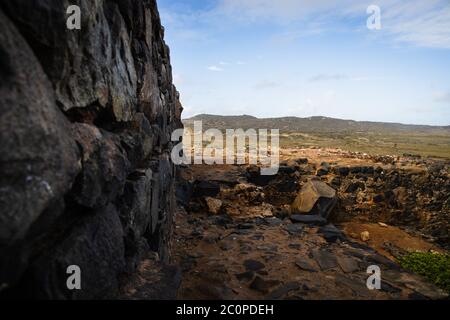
(434, 266)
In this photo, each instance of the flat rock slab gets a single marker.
(307, 264)
(273, 221)
(295, 229)
(331, 233)
(357, 285)
(253, 265)
(262, 285)
(283, 290)
(308, 219)
(325, 259)
(348, 264)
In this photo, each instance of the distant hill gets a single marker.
(312, 125)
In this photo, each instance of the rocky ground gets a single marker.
(237, 235)
(311, 231)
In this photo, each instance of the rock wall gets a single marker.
(86, 117)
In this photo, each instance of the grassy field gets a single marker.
(379, 138)
(374, 143)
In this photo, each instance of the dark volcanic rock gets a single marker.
(262, 285)
(253, 265)
(354, 186)
(348, 264)
(85, 127)
(308, 219)
(325, 259)
(39, 158)
(295, 229)
(206, 189)
(331, 233)
(307, 264)
(105, 167)
(283, 290)
(245, 276)
(322, 171)
(342, 171)
(254, 176)
(96, 245)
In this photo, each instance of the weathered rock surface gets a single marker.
(39, 158)
(316, 197)
(86, 119)
(298, 256)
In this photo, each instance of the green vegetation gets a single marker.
(423, 144)
(434, 266)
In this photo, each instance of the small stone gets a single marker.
(273, 221)
(226, 245)
(253, 265)
(365, 236)
(263, 286)
(295, 229)
(354, 186)
(322, 171)
(381, 224)
(213, 204)
(307, 264)
(245, 226)
(245, 276)
(283, 290)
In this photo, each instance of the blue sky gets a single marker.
(303, 58)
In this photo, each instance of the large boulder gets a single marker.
(38, 158)
(105, 166)
(95, 245)
(315, 197)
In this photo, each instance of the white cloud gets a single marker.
(418, 22)
(215, 69)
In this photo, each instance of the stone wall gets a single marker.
(86, 117)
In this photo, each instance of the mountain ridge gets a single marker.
(310, 124)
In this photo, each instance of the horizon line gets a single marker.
(317, 116)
